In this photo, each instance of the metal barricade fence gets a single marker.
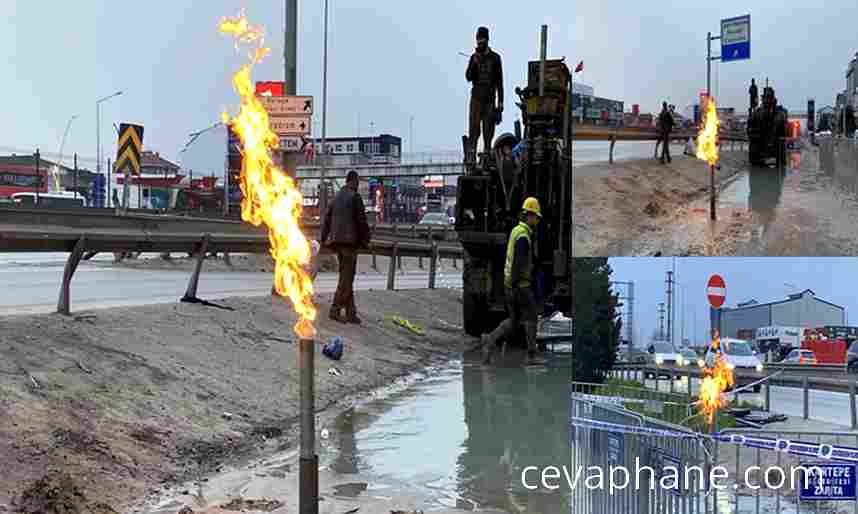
(622, 453)
(606, 434)
(749, 462)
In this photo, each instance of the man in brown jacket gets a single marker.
(346, 230)
(485, 73)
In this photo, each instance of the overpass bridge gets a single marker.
(580, 133)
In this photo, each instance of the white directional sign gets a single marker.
(291, 143)
(290, 126)
(287, 105)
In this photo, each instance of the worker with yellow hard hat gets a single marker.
(518, 282)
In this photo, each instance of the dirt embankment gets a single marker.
(620, 201)
(128, 401)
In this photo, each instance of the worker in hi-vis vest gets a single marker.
(518, 282)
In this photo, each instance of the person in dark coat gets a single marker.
(665, 123)
(754, 94)
(485, 73)
(346, 230)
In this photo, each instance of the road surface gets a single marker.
(34, 281)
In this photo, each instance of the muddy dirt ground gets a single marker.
(132, 401)
(615, 203)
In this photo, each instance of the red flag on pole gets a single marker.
(580, 67)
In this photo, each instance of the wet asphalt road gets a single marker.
(30, 284)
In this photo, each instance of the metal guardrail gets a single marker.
(159, 234)
(774, 377)
(97, 219)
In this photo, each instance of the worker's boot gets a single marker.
(351, 314)
(335, 314)
(532, 347)
(490, 341)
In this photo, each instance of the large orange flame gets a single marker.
(707, 140)
(269, 195)
(716, 380)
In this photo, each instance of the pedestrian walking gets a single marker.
(518, 283)
(665, 124)
(346, 230)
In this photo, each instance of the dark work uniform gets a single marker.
(754, 96)
(487, 86)
(346, 230)
(665, 121)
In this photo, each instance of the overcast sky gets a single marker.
(763, 279)
(388, 60)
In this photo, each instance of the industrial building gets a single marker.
(803, 310)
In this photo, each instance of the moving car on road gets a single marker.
(438, 220)
(688, 357)
(740, 357)
(663, 355)
(852, 357)
(801, 357)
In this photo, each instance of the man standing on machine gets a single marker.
(485, 73)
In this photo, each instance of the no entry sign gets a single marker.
(716, 290)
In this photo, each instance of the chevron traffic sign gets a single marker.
(129, 148)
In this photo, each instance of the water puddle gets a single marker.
(457, 437)
(461, 437)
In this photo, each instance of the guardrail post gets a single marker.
(433, 265)
(611, 153)
(64, 303)
(420, 261)
(191, 292)
(399, 262)
(374, 262)
(391, 268)
(768, 397)
(656, 378)
(226, 259)
(805, 384)
(414, 231)
(671, 382)
(852, 412)
(430, 233)
(688, 385)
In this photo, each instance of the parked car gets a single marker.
(740, 357)
(438, 220)
(801, 357)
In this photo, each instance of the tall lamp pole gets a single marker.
(323, 188)
(98, 129)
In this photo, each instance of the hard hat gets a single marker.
(532, 205)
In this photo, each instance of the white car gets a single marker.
(663, 354)
(739, 356)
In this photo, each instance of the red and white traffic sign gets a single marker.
(716, 291)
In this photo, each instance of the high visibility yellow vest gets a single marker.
(520, 230)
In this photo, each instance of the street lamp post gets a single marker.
(62, 147)
(98, 129)
(323, 189)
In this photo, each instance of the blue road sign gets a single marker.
(736, 38)
(835, 482)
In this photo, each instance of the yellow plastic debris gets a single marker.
(404, 323)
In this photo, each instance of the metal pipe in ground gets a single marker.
(712, 192)
(806, 387)
(308, 473)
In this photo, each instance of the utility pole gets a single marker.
(290, 48)
(661, 320)
(670, 306)
(323, 186)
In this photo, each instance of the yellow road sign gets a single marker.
(129, 148)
